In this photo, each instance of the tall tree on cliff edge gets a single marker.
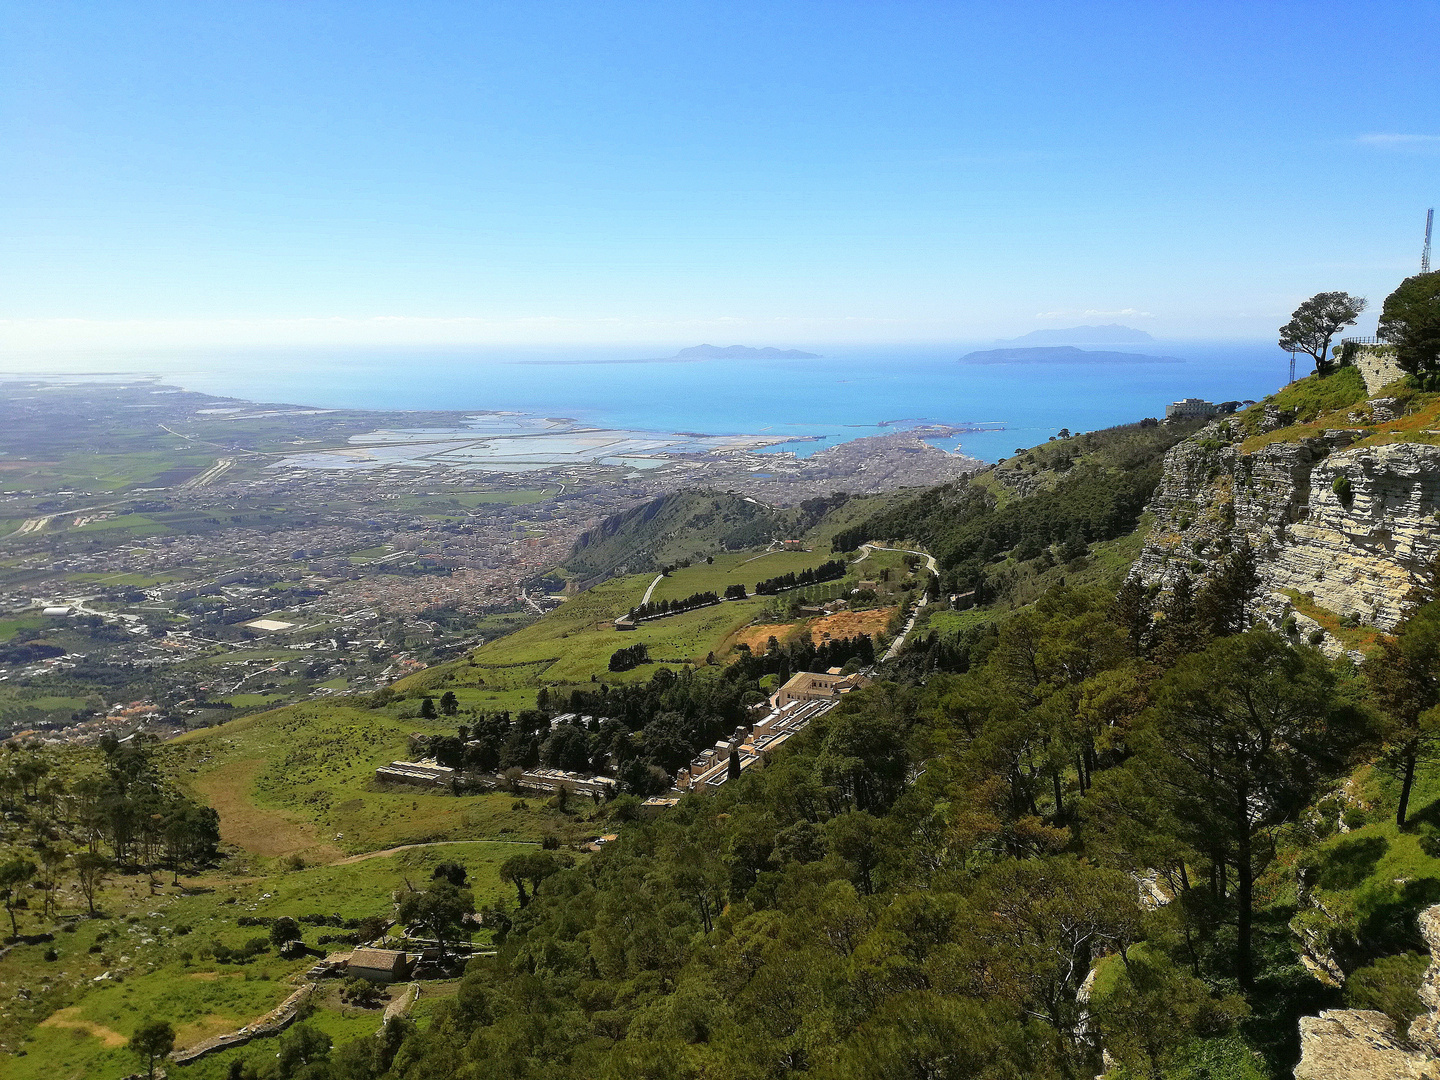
(1404, 676)
(1410, 320)
(1241, 737)
(1314, 324)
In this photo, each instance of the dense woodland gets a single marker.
(921, 885)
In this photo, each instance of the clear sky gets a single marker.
(783, 173)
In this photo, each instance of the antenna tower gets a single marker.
(1425, 255)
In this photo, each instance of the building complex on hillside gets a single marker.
(818, 686)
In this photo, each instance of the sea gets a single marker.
(851, 391)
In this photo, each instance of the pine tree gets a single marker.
(1133, 607)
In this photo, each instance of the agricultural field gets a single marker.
(736, 567)
(575, 642)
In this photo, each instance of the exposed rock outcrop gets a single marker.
(1349, 529)
(1358, 1044)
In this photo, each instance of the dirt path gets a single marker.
(435, 843)
(930, 563)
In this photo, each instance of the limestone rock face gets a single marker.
(1349, 528)
(1357, 1044)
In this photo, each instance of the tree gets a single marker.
(1404, 676)
(567, 748)
(1132, 605)
(1179, 629)
(1315, 323)
(90, 870)
(151, 1042)
(452, 872)
(427, 707)
(1410, 320)
(1240, 739)
(864, 758)
(302, 1045)
(530, 867)
(284, 930)
(449, 703)
(440, 908)
(13, 875)
(1223, 604)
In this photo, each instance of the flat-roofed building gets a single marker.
(1190, 408)
(818, 686)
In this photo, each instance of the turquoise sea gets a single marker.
(851, 392)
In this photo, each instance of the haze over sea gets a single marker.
(852, 391)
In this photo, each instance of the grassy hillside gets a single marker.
(685, 525)
(572, 645)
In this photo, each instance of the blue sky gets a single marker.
(229, 173)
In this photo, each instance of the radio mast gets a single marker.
(1425, 255)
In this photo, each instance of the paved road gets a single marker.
(209, 476)
(931, 565)
(646, 598)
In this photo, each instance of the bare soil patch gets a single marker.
(840, 625)
(70, 1018)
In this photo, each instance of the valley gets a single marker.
(996, 765)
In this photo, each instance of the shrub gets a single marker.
(361, 992)
(1341, 487)
(1389, 985)
(1316, 636)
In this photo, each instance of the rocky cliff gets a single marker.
(1340, 532)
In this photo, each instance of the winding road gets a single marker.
(932, 566)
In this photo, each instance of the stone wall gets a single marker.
(1378, 366)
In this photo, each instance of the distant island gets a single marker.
(697, 353)
(740, 352)
(1063, 354)
(1082, 335)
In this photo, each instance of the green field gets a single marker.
(732, 567)
(577, 639)
(9, 627)
(165, 975)
(139, 581)
(301, 781)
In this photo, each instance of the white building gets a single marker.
(1189, 407)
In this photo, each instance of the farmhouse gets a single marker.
(378, 965)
